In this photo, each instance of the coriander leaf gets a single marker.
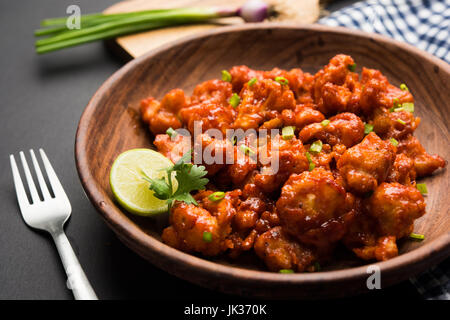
(160, 187)
(190, 177)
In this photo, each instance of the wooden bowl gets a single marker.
(111, 124)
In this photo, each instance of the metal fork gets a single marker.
(50, 215)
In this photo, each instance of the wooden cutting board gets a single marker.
(299, 11)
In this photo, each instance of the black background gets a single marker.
(42, 98)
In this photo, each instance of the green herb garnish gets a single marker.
(403, 87)
(325, 122)
(416, 236)
(422, 187)
(216, 196)
(287, 133)
(252, 81)
(401, 121)
(282, 80)
(312, 165)
(235, 100)
(190, 177)
(352, 67)
(171, 133)
(368, 128)
(393, 141)
(316, 146)
(286, 271)
(207, 236)
(226, 76)
(246, 150)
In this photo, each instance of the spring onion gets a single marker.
(246, 150)
(422, 187)
(235, 100)
(171, 133)
(312, 165)
(287, 133)
(408, 106)
(316, 146)
(207, 236)
(216, 196)
(325, 122)
(100, 26)
(401, 121)
(252, 81)
(282, 80)
(368, 128)
(393, 141)
(286, 271)
(352, 67)
(226, 76)
(416, 236)
(403, 87)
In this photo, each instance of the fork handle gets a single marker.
(76, 278)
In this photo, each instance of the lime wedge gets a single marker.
(127, 183)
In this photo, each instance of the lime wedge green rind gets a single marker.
(128, 186)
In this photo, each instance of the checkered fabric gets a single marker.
(423, 23)
(426, 25)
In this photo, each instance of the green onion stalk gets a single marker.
(98, 26)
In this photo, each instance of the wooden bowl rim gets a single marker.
(420, 258)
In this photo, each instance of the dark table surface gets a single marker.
(42, 98)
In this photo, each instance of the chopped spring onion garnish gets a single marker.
(408, 106)
(235, 100)
(401, 121)
(207, 236)
(252, 81)
(368, 128)
(171, 133)
(234, 140)
(286, 271)
(282, 80)
(287, 133)
(216, 196)
(312, 165)
(404, 87)
(226, 76)
(422, 187)
(316, 146)
(352, 67)
(325, 122)
(417, 236)
(393, 141)
(246, 150)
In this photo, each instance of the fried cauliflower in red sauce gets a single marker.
(346, 166)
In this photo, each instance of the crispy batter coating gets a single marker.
(278, 251)
(424, 163)
(344, 128)
(313, 207)
(291, 159)
(287, 201)
(163, 115)
(172, 148)
(367, 164)
(303, 115)
(258, 99)
(395, 207)
(336, 89)
(189, 223)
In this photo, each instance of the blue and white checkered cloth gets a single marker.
(426, 25)
(423, 23)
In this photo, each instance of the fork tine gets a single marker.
(20, 190)
(40, 177)
(52, 177)
(31, 186)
